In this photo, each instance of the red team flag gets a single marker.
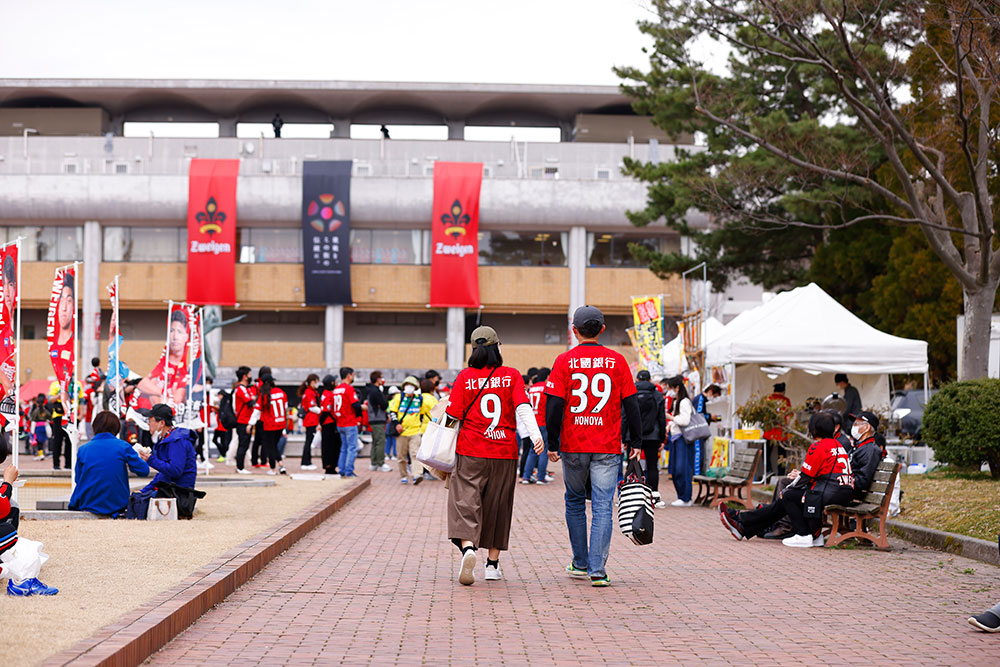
(211, 266)
(8, 335)
(61, 325)
(455, 235)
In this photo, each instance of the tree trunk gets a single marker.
(975, 340)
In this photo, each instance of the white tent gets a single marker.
(802, 337)
(672, 357)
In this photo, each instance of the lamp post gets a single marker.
(27, 131)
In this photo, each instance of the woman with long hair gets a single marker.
(489, 400)
(272, 410)
(330, 447)
(309, 409)
(681, 466)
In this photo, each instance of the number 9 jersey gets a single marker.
(593, 380)
(490, 428)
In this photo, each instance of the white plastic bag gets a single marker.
(24, 561)
(162, 509)
(437, 446)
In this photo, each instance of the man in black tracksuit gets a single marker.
(652, 409)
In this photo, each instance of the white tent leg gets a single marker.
(927, 390)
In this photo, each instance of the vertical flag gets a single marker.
(647, 334)
(168, 381)
(10, 332)
(61, 326)
(117, 370)
(211, 218)
(455, 234)
(326, 232)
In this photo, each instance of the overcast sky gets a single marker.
(513, 41)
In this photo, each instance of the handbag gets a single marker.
(162, 509)
(440, 440)
(635, 508)
(697, 429)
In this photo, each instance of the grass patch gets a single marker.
(956, 501)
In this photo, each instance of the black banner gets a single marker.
(326, 232)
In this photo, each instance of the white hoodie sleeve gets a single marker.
(526, 422)
(682, 418)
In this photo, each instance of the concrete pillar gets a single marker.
(341, 128)
(333, 338)
(227, 127)
(91, 301)
(576, 258)
(566, 131)
(456, 130)
(455, 338)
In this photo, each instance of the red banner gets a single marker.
(211, 267)
(8, 335)
(60, 326)
(455, 235)
(168, 381)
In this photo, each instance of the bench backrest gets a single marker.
(880, 492)
(745, 461)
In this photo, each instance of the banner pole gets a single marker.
(17, 365)
(120, 388)
(206, 389)
(75, 377)
(166, 352)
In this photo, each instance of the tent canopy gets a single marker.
(807, 329)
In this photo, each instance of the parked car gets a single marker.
(906, 412)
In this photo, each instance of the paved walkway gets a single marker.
(376, 584)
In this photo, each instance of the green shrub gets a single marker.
(962, 424)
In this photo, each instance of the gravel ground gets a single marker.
(107, 568)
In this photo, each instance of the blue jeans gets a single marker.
(681, 466)
(348, 449)
(390, 445)
(542, 461)
(603, 471)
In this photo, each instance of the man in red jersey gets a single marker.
(244, 402)
(347, 410)
(588, 389)
(537, 399)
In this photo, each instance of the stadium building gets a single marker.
(553, 234)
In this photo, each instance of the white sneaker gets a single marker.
(206, 464)
(681, 503)
(549, 478)
(243, 471)
(385, 468)
(371, 466)
(819, 541)
(493, 573)
(270, 471)
(805, 541)
(658, 503)
(467, 569)
(307, 467)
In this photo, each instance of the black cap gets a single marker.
(159, 411)
(780, 386)
(642, 376)
(867, 417)
(586, 314)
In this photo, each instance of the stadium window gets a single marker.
(409, 132)
(517, 133)
(60, 244)
(288, 130)
(521, 249)
(145, 244)
(270, 246)
(612, 249)
(171, 129)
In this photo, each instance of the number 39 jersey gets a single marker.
(592, 380)
(490, 428)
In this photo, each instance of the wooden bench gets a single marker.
(737, 485)
(875, 505)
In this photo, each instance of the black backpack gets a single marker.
(227, 416)
(647, 410)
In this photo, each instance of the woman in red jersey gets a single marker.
(489, 399)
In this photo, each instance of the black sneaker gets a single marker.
(986, 621)
(731, 520)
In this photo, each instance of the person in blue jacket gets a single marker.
(102, 467)
(173, 454)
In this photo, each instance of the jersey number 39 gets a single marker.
(597, 388)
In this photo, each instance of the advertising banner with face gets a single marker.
(169, 380)
(61, 326)
(9, 338)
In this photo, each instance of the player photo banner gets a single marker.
(326, 232)
(211, 218)
(455, 235)
(10, 307)
(61, 325)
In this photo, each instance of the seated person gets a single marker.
(868, 452)
(825, 479)
(10, 519)
(102, 466)
(173, 454)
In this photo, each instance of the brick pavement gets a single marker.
(376, 584)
